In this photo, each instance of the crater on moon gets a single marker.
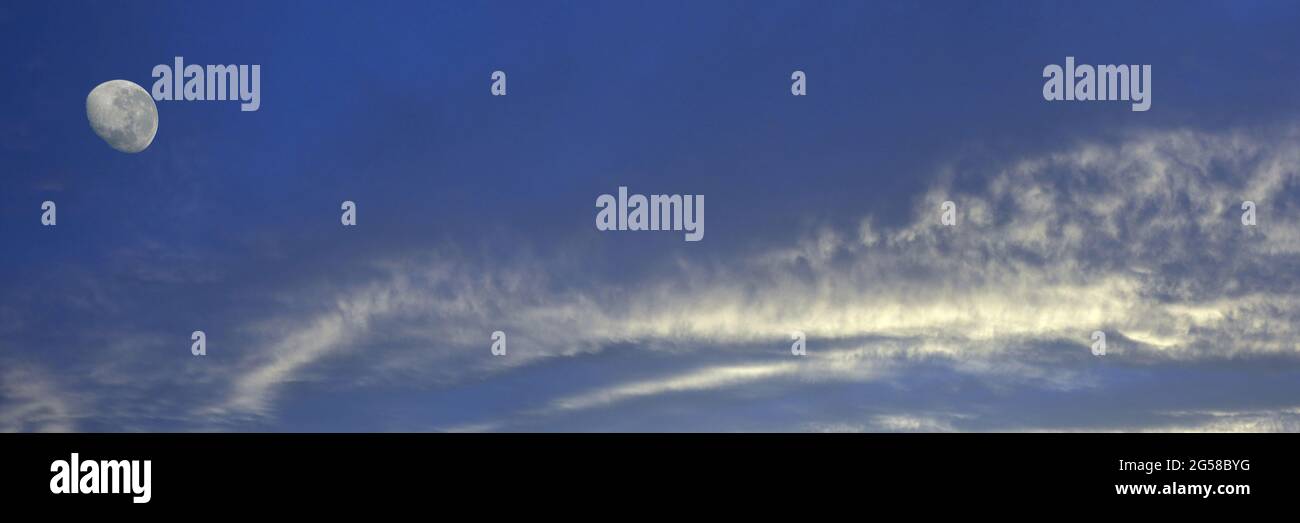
(123, 114)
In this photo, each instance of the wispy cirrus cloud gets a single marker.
(1140, 239)
(33, 402)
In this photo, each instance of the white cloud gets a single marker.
(1140, 240)
(33, 402)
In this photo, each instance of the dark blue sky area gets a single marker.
(388, 105)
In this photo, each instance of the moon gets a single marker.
(123, 114)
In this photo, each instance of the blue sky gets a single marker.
(475, 214)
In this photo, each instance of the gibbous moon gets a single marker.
(123, 114)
